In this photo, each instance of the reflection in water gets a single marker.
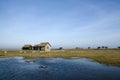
(18, 68)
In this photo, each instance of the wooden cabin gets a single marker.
(27, 47)
(45, 46)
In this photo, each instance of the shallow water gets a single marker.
(18, 68)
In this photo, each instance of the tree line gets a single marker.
(99, 47)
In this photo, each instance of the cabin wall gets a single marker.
(27, 48)
(47, 48)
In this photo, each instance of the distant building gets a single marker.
(27, 47)
(45, 46)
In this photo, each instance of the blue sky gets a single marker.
(66, 23)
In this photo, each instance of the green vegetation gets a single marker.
(109, 57)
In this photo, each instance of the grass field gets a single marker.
(109, 57)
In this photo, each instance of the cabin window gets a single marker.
(47, 47)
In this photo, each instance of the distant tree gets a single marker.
(89, 47)
(77, 47)
(106, 47)
(118, 47)
(98, 47)
(103, 47)
(60, 48)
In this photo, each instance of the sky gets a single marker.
(62, 23)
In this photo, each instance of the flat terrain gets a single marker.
(109, 57)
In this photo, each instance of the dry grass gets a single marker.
(109, 57)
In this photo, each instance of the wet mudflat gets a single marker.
(18, 68)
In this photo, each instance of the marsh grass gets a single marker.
(109, 57)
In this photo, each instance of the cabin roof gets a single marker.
(43, 44)
(27, 45)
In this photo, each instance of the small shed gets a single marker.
(27, 47)
(44, 46)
